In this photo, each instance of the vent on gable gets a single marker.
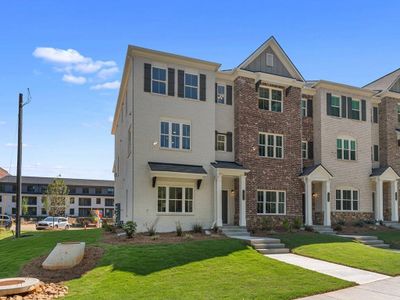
(270, 60)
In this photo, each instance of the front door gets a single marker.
(224, 207)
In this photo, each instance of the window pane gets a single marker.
(190, 92)
(186, 130)
(270, 151)
(261, 139)
(335, 101)
(355, 195)
(186, 143)
(164, 127)
(159, 87)
(276, 95)
(260, 202)
(263, 93)
(338, 205)
(345, 144)
(263, 104)
(159, 74)
(345, 154)
(261, 150)
(353, 155)
(276, 106)
(270, 140)
(279, 141)
(278, 152)
(355, 205)
(353, 145)
(355, 105)
(188, 206)
(162, 192)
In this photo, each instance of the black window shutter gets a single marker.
(363, 110)
(171, 82)
(328, 104)
(216, 138)
(375, 115)
(216, 92)
(181, 84)
(202, 87)
(147, 78)
(229, 94)
(229, 141)
(310, 148)
(344, 106)
(349, 108)
(376, 153)
(258, 85)
(309, 108)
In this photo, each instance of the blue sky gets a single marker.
(67, 124)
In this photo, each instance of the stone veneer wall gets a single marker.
(307, 132)
(268, 173)
(351, 216)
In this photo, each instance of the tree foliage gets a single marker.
(55, 197)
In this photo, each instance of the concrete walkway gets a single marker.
(383, 289)
(335, 270)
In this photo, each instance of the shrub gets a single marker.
(215, 228)
(297, 222)
(370, 222)
(188, 236)
(287, 225)
(308, 228)
(130, 229)
(341, 222)
(266, 224)
(155, 237)
(106, 227)
(197, 228)
(359, 223)
(337, 227)
(151, 229)
(178, 229)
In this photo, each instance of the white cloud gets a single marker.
(59, 55)
(14, 145)
(110, 119)
(107, 73)
(74, 79)
(112, 85)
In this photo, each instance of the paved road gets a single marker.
(386, 289)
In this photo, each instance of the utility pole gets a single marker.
(19, 164)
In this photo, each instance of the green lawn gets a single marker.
(199, 269)
(389, 237)
(343, 251)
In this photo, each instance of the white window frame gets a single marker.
(157, 80)
(183, 187)
(264, 202)
(223, 142)
(304, 150)
(340, 105)
(222, 95)
(266, 134)
(191, 86)
(269, 60)
(342, 150)
(352, 190)
(181, 136)
(359, 109)
(270, 100)
(304, 108)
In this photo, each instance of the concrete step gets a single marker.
(366, 238)
(237, 233)
(382, 246)
(269, 246)
(372, 242)
(265, 241)
(233, 227)
(327, 232)
(273, 251)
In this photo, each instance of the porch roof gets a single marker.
(227, 165)
(309, 170)
(381, 170)
(177, 168)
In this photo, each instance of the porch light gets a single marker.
(233, 192)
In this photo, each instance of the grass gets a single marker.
(389, 237)
(217, 269)
(343, 251)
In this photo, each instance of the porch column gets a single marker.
(379, 200)
(326, 191)
(218, 185)
(308, 204)
(394, 196)
(242, 200)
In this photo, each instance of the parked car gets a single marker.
(53, 223)
(5, 221)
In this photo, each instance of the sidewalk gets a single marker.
(386, 289)
(335, 270)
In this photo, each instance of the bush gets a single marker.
(155, 237)
(106, 227)
(337, 227)
(308, 228)
(197, 228)
(151, 229)
(267, 224)
(359, 223)
(178, 229)
(188, 236)
(215, 228)
(287, 225)
(130, 229)
(297, 222)
(341, 222)
(370, 222)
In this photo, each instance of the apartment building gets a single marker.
(198, 145)
(84, 196)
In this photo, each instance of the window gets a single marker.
(220, 94)
(71, 211)
(13, 211)
(110, 190)
(346, 149)
(85, 190)
(376, 153)
(335, 106)
(270, 99)
(221, 142)
(98, 201)
(159, 81)
(270, 60)
(1, 198)
(72, 200)
(347, 199)
(72, 190)
(30, 211)
(109, 202)
(304, 108)
(271, 202)
(31, 189)
(109, 213)
(85, 202)
(175, 199)
(14, 199)
(191, 86)
(84, 212)
(29, 200)
(355, 109)
(175, 135)
(304, 150)
(44, 212)
(97, 191)
(375, 114)
(270, 145)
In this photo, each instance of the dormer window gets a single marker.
(270, 60)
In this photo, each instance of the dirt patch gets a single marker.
(43, 291)
(160, 238)
(89, 261)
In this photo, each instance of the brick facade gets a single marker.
(268, 173)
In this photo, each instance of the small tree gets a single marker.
(24, 206)
(56, 194)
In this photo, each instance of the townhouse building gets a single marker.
(198, 145)
(84, 196)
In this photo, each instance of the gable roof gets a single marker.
(273, 43)
(309, 170)
(384, 83)
(381, 170)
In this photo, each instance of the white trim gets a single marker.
(181, 136)
(157, 80)
(224, 141)
(266, 134)
(167, 199)
(270, 100)
(342, 150)
(340, 105)
(306, 150)
(277, 192)
(352, 190)
(269, 59)
(304, 100)
(191, 86)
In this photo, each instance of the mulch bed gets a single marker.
(363, 230)
(89, 261)
(160, 238)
